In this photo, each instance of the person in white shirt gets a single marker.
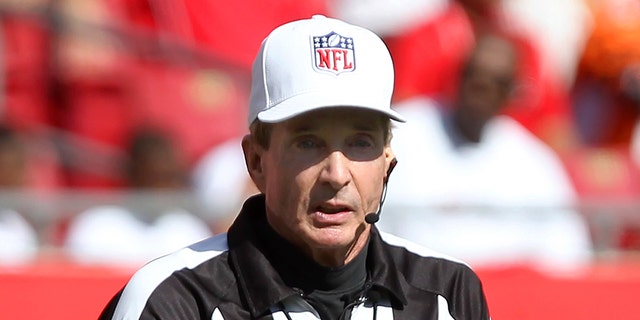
(478, 185)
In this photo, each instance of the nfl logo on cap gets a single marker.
(333, 53)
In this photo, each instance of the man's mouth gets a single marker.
(332, 209)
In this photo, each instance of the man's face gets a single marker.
(486, 84)
(322, 173)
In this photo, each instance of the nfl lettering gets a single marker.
(333, 53)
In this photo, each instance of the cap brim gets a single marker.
(309, 101)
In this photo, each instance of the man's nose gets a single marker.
(336, 170)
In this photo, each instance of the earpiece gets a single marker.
(373, 217)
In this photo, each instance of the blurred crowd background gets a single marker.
(121, 119)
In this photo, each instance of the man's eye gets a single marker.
(361, 143)
(307, 144)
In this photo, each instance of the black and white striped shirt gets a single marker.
(230, 276)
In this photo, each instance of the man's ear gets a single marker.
(253, 160)
(390, 161)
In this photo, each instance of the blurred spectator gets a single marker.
(13, 159)
(606, 92)
(476, 184)
(18, 238)
(606, 104)
(220, 180)
(138, 234)
(155, 163)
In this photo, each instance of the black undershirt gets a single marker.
(328, 290)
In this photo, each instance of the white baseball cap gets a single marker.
(319, 63)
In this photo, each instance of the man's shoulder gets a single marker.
(186, 258)
(429, 273)
(415, 261)
(420, 251)
(156, 276)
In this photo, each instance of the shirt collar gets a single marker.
(263, 287)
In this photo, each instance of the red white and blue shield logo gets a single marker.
(333, 53)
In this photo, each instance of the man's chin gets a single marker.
(337, 238)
